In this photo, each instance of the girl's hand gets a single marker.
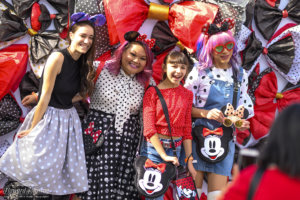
(172, 159)
(215, 114)
(23, 133)
(245, 125)
(192, 170)
(29, 100)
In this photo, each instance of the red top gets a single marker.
(273, 185)
(179, 101)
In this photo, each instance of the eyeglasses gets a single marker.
(220, 48)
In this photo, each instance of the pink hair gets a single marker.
(205, 45)
(114, 64)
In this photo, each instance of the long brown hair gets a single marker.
(87, 72)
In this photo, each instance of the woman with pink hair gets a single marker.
(213, 81)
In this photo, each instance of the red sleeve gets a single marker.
(240, 187)
(149, 112)
(188, 117)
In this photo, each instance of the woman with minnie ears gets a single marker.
(115, 106)
(48, 154)
(211, 81)
(179, 102)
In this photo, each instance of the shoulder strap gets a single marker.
(98, 71)
(165, 109)
(255, 182)
(237, 79)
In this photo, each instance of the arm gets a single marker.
(193, 83)
(76, 98)
(161, 151)
(30, 99)
(52, 69)
(187, 139)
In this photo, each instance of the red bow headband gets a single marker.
(185, 19)
(160, 167)
(135, 36)
(211, 29)
(217, 131)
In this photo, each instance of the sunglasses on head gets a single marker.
(220, 48)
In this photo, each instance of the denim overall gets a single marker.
(221, 93)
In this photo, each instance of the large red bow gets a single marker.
(217, 131)
(185, 19)
(13, 62)
(161, 167)
(265, 107)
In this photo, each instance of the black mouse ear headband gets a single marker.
(211, 29)
(132, 36)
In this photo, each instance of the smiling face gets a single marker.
(222, 54)
(221, 59)
(134, 59)
(82, 39)
(175, 72)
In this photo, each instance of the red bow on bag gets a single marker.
(161, 167)
(185, 19)
(217, 131)
(265, 107)
(89, 131)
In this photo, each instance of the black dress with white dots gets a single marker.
(115, 106)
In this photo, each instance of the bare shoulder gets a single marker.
(55, 61)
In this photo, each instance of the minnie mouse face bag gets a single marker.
(212, 145)
(152, 180)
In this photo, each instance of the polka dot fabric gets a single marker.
(3, 147)
(199, 83)
(87, 6)
(110, 170)
(119, 94)
(10, 114)
(38, 67)
(51, 158)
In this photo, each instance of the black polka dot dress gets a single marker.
(115, 106)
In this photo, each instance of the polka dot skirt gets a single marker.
(51, 157)
(110, 170)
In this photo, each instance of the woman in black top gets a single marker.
(48, 153)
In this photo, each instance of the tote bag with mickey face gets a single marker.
(152, 180)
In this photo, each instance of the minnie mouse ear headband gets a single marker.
(97, 20)
(211, 29)
(132, 36)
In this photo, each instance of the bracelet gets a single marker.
(36, 96)
(189, 157)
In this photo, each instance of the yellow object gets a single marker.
(279, 95)
(31, 32)
(159, 12)
(180, 45)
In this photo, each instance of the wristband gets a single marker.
(189, 157)
(36, 96)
